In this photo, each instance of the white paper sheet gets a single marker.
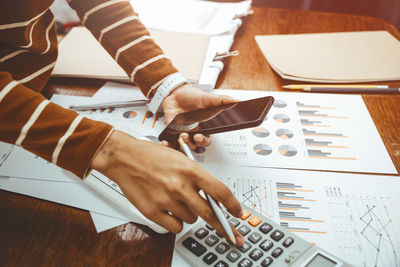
(190, 16)
(75, 194)
(103, 222)
(353, 216)
(305, 131)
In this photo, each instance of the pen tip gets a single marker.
(233, 239)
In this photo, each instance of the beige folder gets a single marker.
(80, 55)
(333, 57)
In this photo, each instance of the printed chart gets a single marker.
(305, 131)
(352, 216)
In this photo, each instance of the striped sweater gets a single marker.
(28, 51)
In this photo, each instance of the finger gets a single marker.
(219, 191)
(165, 143)
(186, 138)
(212, 100)
(201, 207)
(169, 222)
(202, 140)
(181, 211)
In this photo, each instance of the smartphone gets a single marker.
(224, 118)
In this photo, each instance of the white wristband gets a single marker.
(170, 83)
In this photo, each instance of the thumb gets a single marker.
(212, 100)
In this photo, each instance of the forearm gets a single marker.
(117, 27)
(58, 135)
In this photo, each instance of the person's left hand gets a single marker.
(186, 98)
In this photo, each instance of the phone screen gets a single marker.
(218, 119)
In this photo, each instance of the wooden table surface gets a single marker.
(35, 232)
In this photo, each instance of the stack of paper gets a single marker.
(342, 57)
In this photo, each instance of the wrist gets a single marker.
(107, 155)
(171, 83)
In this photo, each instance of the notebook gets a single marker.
(340, 57)
(81, 55)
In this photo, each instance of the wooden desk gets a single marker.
(35, 232)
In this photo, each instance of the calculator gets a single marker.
(266, 244)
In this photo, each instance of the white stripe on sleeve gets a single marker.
(30, 36)
(37, 73)
(35, 115)
(115, 25)
(7, 89)
(22, 23)
(13, 54)
(98, 7)
(64, 138)
(146, 63)
(129, 45)
(48, 36)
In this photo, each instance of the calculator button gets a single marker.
(227, 215)
(245, 247)
(210, 258)
(277, 252)
(277, 235)
(265, 228)
(254, 237)
(218, 234)
(222, 247)
(288, 241)
(244, 230)
(209, 227)
(246, 214)
(211, 240)
(195, 247)
(256, 254)
(254, 221)
(202, 232)
(234, 222)
(266, 245)
(267, 262)
(233, 255)
(221, 264)
(245, 263)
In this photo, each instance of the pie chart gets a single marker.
(262, 149)
(287, 151)
(129, 114)
(280, 104)
(281, 118)
(260, 132)
(284, 133)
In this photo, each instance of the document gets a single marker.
(81, 55)
(304, 131)
(340, 57)
(352, 216)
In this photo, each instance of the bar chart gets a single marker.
(306, 131)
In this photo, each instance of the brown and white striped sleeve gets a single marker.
(28, 51)
(60, 136)
(118, 28)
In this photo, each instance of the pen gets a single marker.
(306, 86)
(354, 90)
(116, 104)
(216, 208)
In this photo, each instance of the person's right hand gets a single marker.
(163, 183)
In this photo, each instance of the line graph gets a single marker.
(365, 228)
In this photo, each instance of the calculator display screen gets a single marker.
(321, 260)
